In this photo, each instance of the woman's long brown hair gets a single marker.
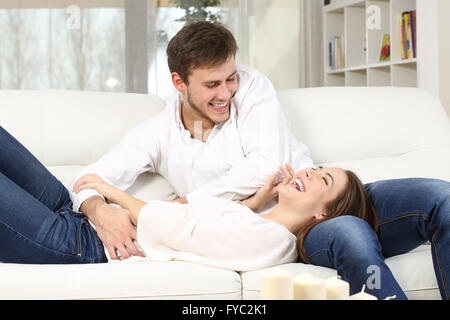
(352, 201)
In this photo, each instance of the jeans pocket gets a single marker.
(89, 246)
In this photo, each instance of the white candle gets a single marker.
(276, 284)
(363, 296)
(337, 289)
(309, 287)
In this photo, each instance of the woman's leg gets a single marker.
(412, 212)
(21, 167)
(32, 233)
(349, 245)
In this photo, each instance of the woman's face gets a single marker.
(313, 188)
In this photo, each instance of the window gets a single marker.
(119, 45)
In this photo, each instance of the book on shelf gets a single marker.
(407, 21)
(385, 51)
(336, 49)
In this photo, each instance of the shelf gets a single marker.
(339, 7)
(379, 65)
(407, 61)
(363, 44)
(375, 65)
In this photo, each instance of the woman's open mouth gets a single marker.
(299, 185)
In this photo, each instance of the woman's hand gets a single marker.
(93, 181)
(270, 189)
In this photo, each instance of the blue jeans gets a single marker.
(37, 224)
(410, 212)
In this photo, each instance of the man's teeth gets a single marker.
(299, 185)
(219, 105)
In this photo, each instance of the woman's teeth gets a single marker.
(299, 185)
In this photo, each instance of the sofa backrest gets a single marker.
(63, 128)
(352, 123)
(337, 124)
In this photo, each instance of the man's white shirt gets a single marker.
(236, 159)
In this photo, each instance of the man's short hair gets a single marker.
(200, 44)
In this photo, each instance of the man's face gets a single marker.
(208, 95)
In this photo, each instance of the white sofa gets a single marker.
(380, 133)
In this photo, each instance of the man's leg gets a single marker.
(349, 245)
(412, 212)
(21, 167)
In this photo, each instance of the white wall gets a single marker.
(275, 41)
(444, 50)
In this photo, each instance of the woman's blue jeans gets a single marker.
(410, 212)
(37, 224)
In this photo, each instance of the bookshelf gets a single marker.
(362, 45)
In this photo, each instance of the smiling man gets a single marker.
(222, 135)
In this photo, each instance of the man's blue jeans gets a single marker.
(37, 224)
(410, 212)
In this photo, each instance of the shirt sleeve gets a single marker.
(136, 153)
(238, 241)
(266, 140)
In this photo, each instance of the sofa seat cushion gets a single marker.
(413, 271)
(119, 280)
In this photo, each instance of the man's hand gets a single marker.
(114, 227)
(270, 189)
(93, 181)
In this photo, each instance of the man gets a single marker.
(223, 136)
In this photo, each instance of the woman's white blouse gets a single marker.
(215, 232)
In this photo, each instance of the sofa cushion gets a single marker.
(418, 282)
(119, 280)
(73, 127)
(426, 163)
(355, 123)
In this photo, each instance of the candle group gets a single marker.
(279, 284)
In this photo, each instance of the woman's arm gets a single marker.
(112, 194)
(130, 203)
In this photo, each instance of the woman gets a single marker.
(37, 224)
(225, 234)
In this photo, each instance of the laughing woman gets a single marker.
(226, 234)
(38, 225)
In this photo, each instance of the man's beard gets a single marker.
(200, 111)
(196, 108)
